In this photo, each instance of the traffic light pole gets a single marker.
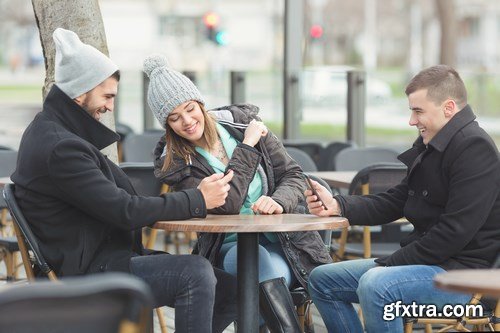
(294, 22)
(237, 87)
(356, 97)
(149, 119)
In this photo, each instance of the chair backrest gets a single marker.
(379, 177)
(140, 147)
(328, 155)
(112, 302)
(25, 237)
(326, 235)
(123, 130)
(142, 177)
(302, 158)
(355, 159)
(313, 149)
(8, 160)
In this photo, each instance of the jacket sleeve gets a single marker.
(290, 184)
(244, 164)
(474, 180)
(375, 209)
(74, 169)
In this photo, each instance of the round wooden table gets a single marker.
(484, 281)
(248, 228)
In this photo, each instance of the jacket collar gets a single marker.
(76, 120)
(441, 140)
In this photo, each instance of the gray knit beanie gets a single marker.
(167, 88)
(79, 67)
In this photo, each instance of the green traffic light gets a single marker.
(222, 38)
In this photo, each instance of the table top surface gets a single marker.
(339, 179)
(484, 281)
(255, 223)
(5, 180)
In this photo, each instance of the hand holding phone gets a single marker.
(311, 187)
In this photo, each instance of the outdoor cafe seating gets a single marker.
(114, 302)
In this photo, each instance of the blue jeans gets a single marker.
(334, 287)
(204, 298)
(272, 261)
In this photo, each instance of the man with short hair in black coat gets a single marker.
(450, 195)
(86, 213)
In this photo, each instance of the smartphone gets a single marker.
(311, 187)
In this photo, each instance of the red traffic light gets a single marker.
(211, 19)
(316, 31)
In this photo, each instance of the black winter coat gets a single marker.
(451, 196)
(81, 206)
(303, 250)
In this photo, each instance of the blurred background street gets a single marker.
(390, 40)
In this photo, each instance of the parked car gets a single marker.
(327, 85)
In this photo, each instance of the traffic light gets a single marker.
(213, 32)
(211, 20)
(316, 31)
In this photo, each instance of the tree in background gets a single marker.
(446, 13)
(84, 18)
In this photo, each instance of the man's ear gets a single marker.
(450, 108)
(80, 99)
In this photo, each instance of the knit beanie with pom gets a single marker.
(167, 88)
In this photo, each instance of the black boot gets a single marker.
(276, 307)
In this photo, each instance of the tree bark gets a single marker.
(446, 14)
(84, 18)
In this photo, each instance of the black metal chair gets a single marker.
(26, 239)
(302, 158)
(355, 159)
(123, 130)
(140, 147)
(490, 318)
(8, 160)
(8, 242)
(300, 297)
(329, 153)
(113, 302)
(313, 149)
(141, 175)
(376, 241)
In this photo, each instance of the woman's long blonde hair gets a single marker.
(179, 146)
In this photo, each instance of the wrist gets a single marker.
(248, 143)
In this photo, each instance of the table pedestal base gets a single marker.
(248, 282)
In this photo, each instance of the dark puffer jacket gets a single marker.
(304, 250)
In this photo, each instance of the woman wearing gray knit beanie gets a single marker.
(198, 143)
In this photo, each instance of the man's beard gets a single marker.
(87, 109)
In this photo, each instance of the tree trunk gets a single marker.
(446, 14)
(84, 18)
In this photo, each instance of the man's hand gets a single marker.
(253, 133)
(266, 205)
(215, 188)
(315, 206)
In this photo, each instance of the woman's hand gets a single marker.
(253, 133)
(266, 205)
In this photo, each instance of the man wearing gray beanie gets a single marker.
(86, 213)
